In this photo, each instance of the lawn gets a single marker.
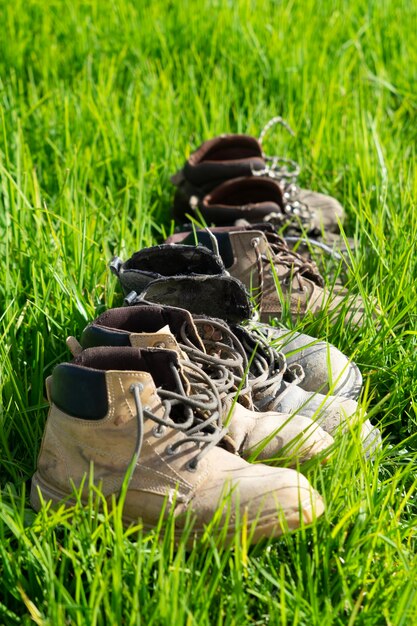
(100, 102)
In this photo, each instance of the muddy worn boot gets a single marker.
(279, 278)
(220, 296)
(275, 386)
(242, 365)
(330, 252)
(158, 263)
(133, 422)
(256, 199)
(274, 434)
(228, 157)
(326, 369)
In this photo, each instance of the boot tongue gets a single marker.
(162, 338)
(164, 331)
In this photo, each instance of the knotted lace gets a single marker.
(272, 378)
(226, 362)
(262, 370)
(201, 421)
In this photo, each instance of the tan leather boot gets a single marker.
(221, 296)
(255, 372)
(256, 199)
(279, 278)
(132, 420)
(275, 435)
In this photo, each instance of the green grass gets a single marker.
(100, 102)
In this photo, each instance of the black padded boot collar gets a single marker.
(222, 158)
(162, 261)
(174, 260)
(79, 388)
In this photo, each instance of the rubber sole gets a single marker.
(268, 528)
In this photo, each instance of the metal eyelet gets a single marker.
(169, 451)
(137, 386)
(191, 466)
(158, 431)
(159, 344)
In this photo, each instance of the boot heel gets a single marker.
(40, 489)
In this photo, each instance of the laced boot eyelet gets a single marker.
(159, 344)
(169, 451)
(192, 465)
(137, 386)
(158, 431)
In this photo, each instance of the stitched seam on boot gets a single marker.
(168, 480)
(172, 469)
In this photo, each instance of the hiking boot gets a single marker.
(233, 156)
(326, 369)
(134, 423)
(330, 252)
(221, 296)
(274, 434)
(256, 199)
(279, 279)
(157, 263)
(275, 386)
(241, 364)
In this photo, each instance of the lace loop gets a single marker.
(226, 362)
(297, 267)
(202, 419)
(273, 122)
(269, 378)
